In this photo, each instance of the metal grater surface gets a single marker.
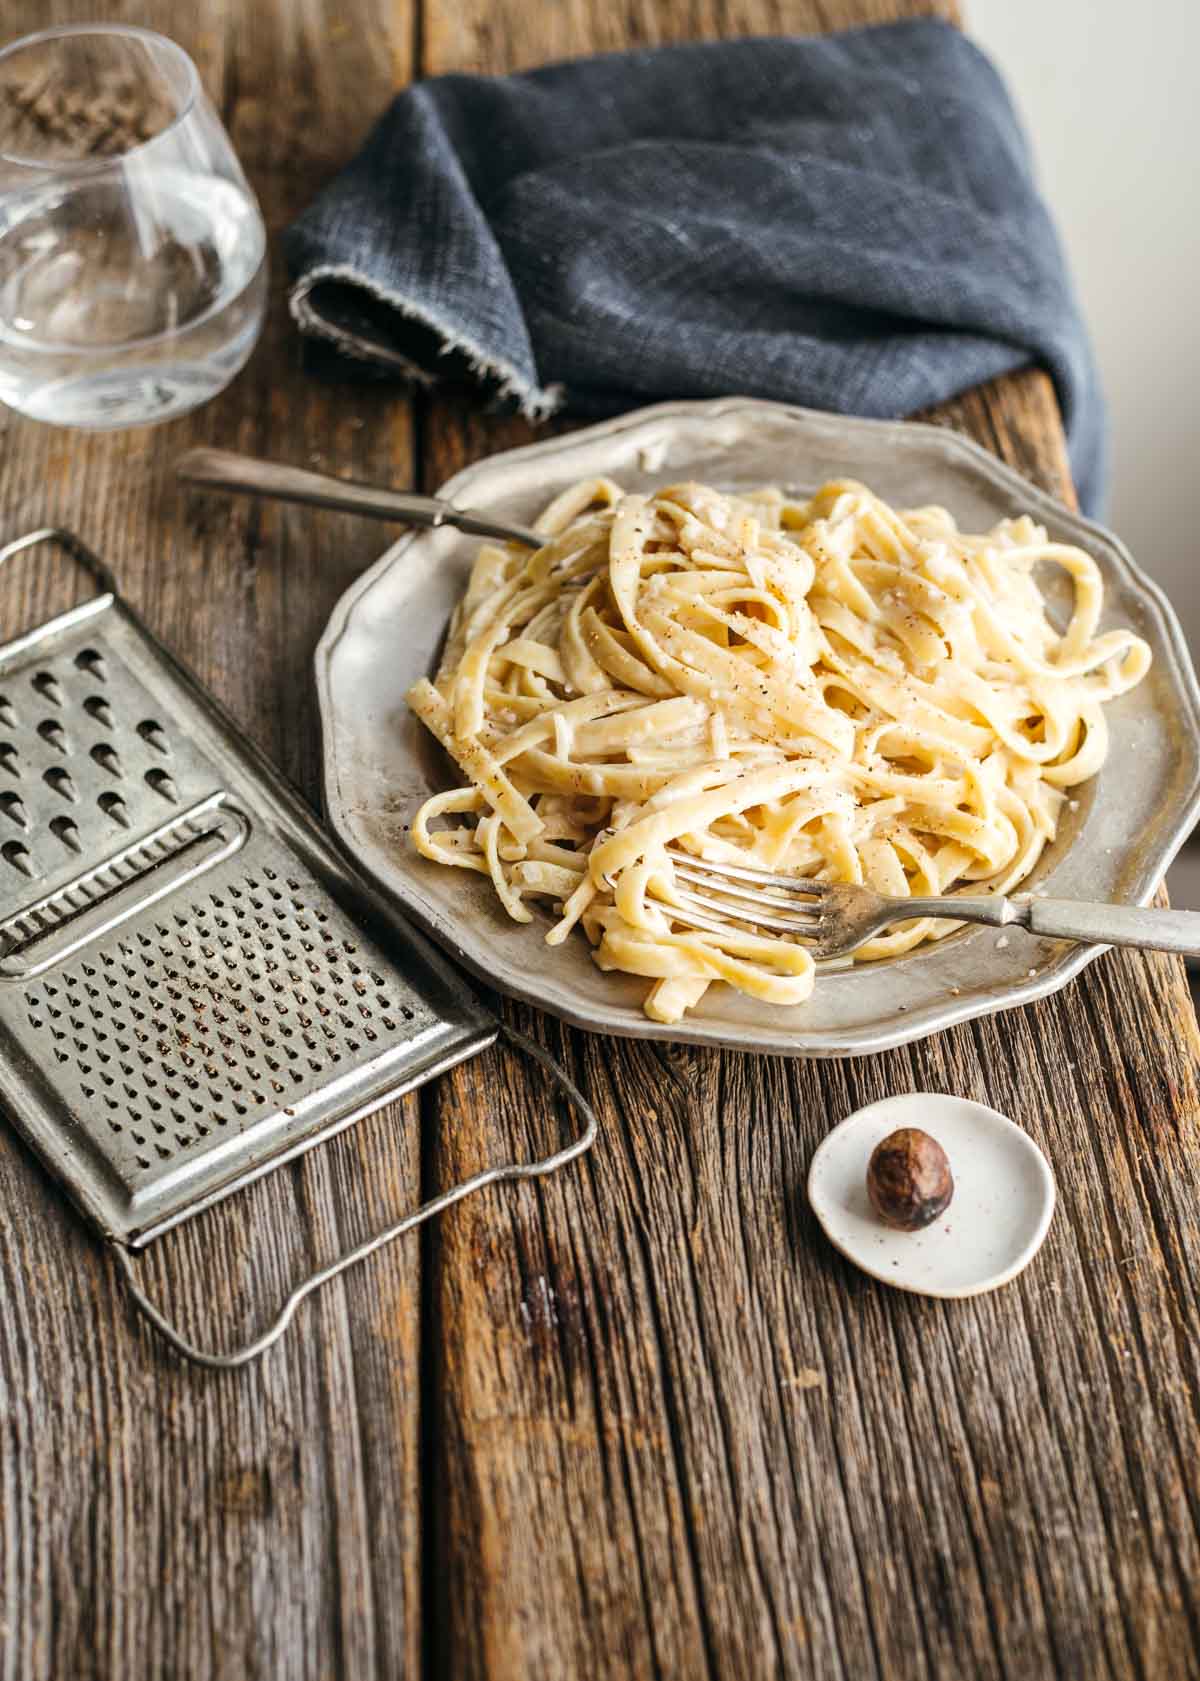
(193, 984)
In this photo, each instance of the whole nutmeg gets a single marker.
(909, 1180)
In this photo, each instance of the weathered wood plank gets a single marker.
(473, 35)
(675, 1435)
(154, 1520)
(1018, 419)
(666, 1431)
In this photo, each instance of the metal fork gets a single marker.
(221, 469)
(835, 918)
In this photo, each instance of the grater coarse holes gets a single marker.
(194, 985)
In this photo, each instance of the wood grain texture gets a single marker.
(672, 1434)
(153, 1521)
(637, 1421)
(476, 35)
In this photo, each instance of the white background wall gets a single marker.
(1110, 95)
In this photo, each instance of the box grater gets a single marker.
(194, 985)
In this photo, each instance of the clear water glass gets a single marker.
(133, 269)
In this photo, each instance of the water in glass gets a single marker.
(133, 270)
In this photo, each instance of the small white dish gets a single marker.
(997, 1219)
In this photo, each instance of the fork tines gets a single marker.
(801, 900)
(747, 872)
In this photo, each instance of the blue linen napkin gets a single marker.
(845, 221)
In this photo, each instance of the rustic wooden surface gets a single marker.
(639, 1421)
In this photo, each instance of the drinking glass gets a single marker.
(133, 270)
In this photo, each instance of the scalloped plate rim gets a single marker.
(562, 1001)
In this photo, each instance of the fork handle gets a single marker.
(222, 469)
(1112, 925)
(1074, 919)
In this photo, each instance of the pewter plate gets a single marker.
(380, 764)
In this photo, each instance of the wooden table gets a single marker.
(639, 1421)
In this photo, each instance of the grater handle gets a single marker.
(75, 547)
(505, 1172)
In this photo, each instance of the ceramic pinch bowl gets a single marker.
(997, 1218)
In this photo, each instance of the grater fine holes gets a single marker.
(8, 713)
(13, 809)
(91, 660)
(49, 687)
(107, 757)
(52, 732)
(8, 759)
(153, 734)
(66, 830)
(159, 782)
(98, 708)
(114, 807)
(19, 856)
(59, 780)
(229, 990)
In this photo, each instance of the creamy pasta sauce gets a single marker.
(830, 688)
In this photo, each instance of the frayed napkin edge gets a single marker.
(536, 403)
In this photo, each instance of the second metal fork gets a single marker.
(835, 918)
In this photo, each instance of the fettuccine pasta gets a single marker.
(831, 688)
